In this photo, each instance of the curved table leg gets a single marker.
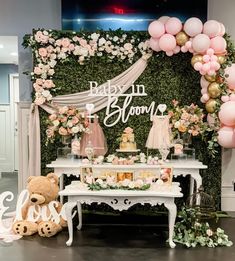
(68, 211)
(79, 206)
(172, 215)
(61, 186)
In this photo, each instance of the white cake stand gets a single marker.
(119, 150)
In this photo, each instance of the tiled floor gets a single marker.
(110, 242)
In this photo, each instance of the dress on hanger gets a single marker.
(159, 135)
(96, 137)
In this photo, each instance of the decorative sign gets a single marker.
(115, 112)
(35, 212)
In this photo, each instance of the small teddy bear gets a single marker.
(37, 214)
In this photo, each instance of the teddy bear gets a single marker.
(37, 213)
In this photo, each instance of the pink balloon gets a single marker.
(154, 44)
(226, 137)
(206, 58)
(163, 19)
(204, 83)
(210, 51)
(156, 29)
(230, 80)
(183, 49)
(203, 91)
(202, 72)
(167, 42)
(227, 113)
(211, 28)
(206, 67)
(193, 26)
(219, 44)
(201, 43)
(188, 44)
(197, 66)
(225, 98)
(211, 72)
(205, 97)
(222, 30)
(214, 58)
(202, 100)
(176, 49)
(169, 53)
(232, 97)
(173, 26)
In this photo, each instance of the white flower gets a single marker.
(95, 36)
(75, 129)
(209, 232)
(177, 124)
(89, 179)
(110, 180)
(110, 157)
(131, 185)
(46, 93)
(45, 32)
(70, 124)
(159, 182)
(139, 183)
(125, 182)
(114, 53)
(100, 181)
(52, 63)
(115, 38)
(143, 160)
(56, 123)
(102, 41)
(99, 54)
(128, 46)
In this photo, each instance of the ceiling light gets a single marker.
(1, 45)
(14, 54)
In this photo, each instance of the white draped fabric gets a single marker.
(125, 79)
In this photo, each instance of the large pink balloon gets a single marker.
(222, 30)
(156, 29)
(173, 26)
(201, 43)
(154, 44)
(193, 26)
(167, 42)
(211, 28)
(218, 44)
(204, 83)
(226, 137)
(230, 80)
(163, 19)
(227, 113)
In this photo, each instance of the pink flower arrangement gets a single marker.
(186, 119)
(67, 121)
(128, 130)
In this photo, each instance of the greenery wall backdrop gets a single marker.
(165, 78)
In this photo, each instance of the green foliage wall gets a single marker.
(165, 78)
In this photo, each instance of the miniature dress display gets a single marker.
(95, 138)
(159, 135)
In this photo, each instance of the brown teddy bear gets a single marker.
(37, 214)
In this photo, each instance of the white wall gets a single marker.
(18, 18)
(224, 12)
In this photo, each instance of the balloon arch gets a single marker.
(211, 58)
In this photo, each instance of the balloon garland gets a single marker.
(210, 52)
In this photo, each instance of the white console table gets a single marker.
(181, 167)
(121, 200)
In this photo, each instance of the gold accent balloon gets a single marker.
(196, 58)
(210, 78)
(181, 38)
(221, 59)
(214, 90)
(211, 105)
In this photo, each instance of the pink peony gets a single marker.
(65, 42)
(48, 84)
(63, 131)
(37, 70)
(128, 130)
(42, 52)
(39, 81)
(37, 87)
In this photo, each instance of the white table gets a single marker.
(121, 200)
(180, 167)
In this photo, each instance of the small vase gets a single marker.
(75, 146)
(187, 140)
(63, 152)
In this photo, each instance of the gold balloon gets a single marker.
(181, 38)
(196, 58)
(211, 105)
(221, 59)
(210, 78)
(214, 90)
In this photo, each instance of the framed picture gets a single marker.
(166, 175)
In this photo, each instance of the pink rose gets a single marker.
(58, 42)
(37, 70)
(50, 49)
(65, 42)
(83, 42)
(128, 46)
(128, 130)
(185, 116)
(50, 132)
(71, 111)
(63, 119)
(42, 52)
(39, 81)
(44, 38)
(71, 47)
(37, 87)
(63, 131)
(40, 100)
(51, 71)
(52, 117)
(75, 120)
(63, 109)
(48, 84)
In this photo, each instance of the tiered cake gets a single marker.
(128, 140)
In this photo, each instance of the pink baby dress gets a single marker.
(159, 135)
(96, 137)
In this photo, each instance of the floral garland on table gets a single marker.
(191, 233)
(49, 47)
